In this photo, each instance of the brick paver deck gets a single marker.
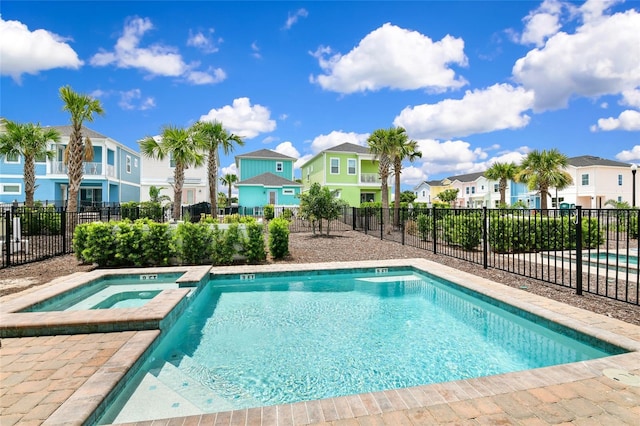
(61, 379)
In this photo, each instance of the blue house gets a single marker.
(266, 177)
(113, 176)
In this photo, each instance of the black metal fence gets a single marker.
(588, 250)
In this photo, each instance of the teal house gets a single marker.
(266, 177)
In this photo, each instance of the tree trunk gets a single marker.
(74, 165)
(29, 179)
(178, 181)
(213, 182)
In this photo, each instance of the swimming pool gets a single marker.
(253, 340)
(110, 292)
(614, 258)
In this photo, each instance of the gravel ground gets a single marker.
(345, 246)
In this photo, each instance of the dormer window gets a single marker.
(279, 167)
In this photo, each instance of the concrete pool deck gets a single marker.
(62, 378)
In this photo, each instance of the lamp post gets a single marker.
(634, 169)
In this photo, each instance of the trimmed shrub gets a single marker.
(423, 223)
(194, 242)
(254, 248)
(269, 211)
(226, 244)
(464, 229)
(279, 238)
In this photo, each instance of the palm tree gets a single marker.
(402, 148)
(213, 136)
(380, 146)
(30, 141)
(502, 172)
(542, 170)
(177, 144)
(82, 108)
(229, 179)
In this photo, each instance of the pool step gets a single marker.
(152, 399)
(190, 388)
(229, 396)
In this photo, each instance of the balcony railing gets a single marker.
(90, 169)
(370, 178)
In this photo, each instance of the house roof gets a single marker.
(66, 131)
(265, 153)
(469, 177)
(268, 179)
(437, 182)
(590, 160)
(349, 147)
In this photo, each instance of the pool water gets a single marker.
(277, 340)
(613, 258)
(120, 291)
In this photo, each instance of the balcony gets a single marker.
(90, 169)
(370, 178)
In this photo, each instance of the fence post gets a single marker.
(402, 223)
(353, 218)
(7, 236)
(578, 224)
(63, 228)
(434, 232)
(485, 254)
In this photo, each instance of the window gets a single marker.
(335, 166)
(172, 162)
(619, 199)
(424, 193)
(585, 179)
(351, 166)
(135, 163)
(482, 187)
(467, 190)
(10, 188)
(473, 189)
(497, 203)
(12, 158)
(337, 193)
(555, 202)
(41, 158)
(619, 180)
(308, 177)
(496, 187)
(279, 167)
(287, 191)
(128, 164)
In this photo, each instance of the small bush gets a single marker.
(269, 212)
(424, 226)
(254, 248)
(287, 214)
(279, 238)
(194, 242)
(226, 244)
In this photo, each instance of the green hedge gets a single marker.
(147, 243)
(521, 235)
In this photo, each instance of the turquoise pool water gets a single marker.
(272, 340)
(612, 258)
(120, 291)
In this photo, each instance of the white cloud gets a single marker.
(204, 42)
(242, 118)
(294, 17)
(629, 155)
(337, 137)
(255, 50)
(230, 170)
(412, 176)
(287, 148)
(132, 99)
(155, 59)
(498, 107)
(599, 59)
(631, 98)
(542, 23)
(627, 120)
(392, 57)
(23, 51)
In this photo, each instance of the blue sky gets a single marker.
(473, 82)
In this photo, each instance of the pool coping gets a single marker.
(82, 404)
(14, 323)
